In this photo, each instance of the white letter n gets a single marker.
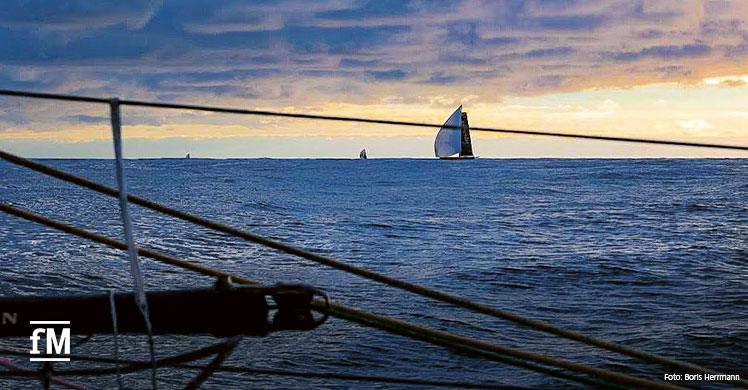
(10, 318)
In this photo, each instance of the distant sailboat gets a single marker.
(187, 156)
(362, 155)
(453, 139)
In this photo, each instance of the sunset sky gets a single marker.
(667, 69)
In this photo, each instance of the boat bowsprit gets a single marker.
(222, 312)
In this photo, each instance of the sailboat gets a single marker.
(362, 155)
(453, 139)
(187, 156)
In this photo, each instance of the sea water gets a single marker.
(652, 254)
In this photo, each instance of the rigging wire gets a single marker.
(113, 309)
(403, 285)
(227, 347)
(469, 345)
(363, 317)
(135, 267)
(258, 371)
(14, 370)
(227, 110)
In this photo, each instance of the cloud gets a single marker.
(74, 14)
(573, 22)
(359, 63)
(87, 119)
(443, 78)
(301, 54)
(609, 105)
(733, 83)
(369, 9)
(665, 52)
(550, 52)
(695, 124)
(329, 40)
(727, 81)
(388, 75)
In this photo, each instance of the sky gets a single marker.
(666, 69)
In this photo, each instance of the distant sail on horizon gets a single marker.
(362, 155)
(453, 139)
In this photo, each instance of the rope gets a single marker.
(207, 371)
(404, 285)
(371, 275)
(460, 343)
(113, 308)
(132, 251)
(46, 373)
(359, 378)
(226, 110)
(134, 366)
(14, 370)
(275, 372)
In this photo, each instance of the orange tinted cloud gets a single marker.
(533, 64)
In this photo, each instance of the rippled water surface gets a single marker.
(649, 253)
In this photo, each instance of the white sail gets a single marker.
(448, 140)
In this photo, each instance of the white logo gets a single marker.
(55, 346)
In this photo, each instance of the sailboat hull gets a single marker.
(458, 158)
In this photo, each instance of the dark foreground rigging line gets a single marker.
(227, 110)
(220, 312)
(221, 350)
(417, 289)
(474, 347)
(181, 362)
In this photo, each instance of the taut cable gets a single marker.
(227, 110)
(472, 346)
(416, 289)
(136, 269)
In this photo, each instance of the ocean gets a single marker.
(648, 253)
